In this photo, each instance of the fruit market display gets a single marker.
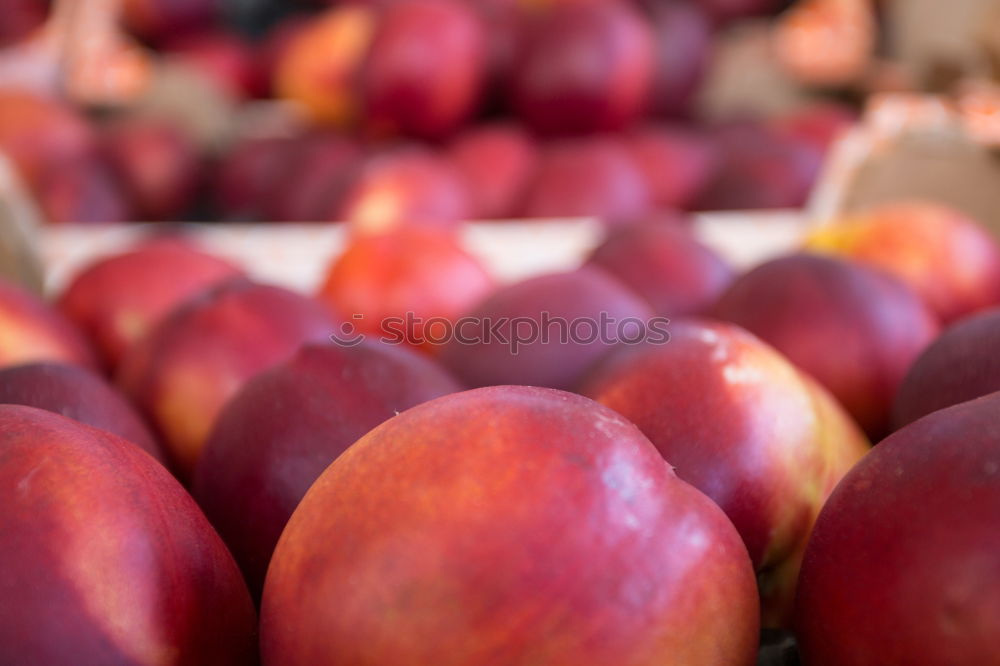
(658, 456)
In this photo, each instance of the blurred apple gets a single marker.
(820, 124)
(855, 329)
(287, 424)
(317, 168)
(590, 177)
(247, 175)
(159, 20)
(677, 163)
(30, 330)
(158, 165)
(741, 424)
(79, 394)
(36, 132)
(545, 331)
(962, 364)
(431, 541)
(902, 565)
(118, 299)
(498, 162)
(583, 67)
(225, 58)
(682, 55)
(724, 11)
(666, 265)
(392, 284)
(188, 366)
(106, 559)
(83, 190)
(948, 258)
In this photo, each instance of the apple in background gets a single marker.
(724, 11)
(20, 19)
(380, 279)
(30, 330)
(546, 330)
(79, 394)
(36, 131)
(855, 329)
(161, 20)
(224, 57)
(498, 162)
(81, 190)
(583, 67)
(320, 66)
(287, 424)
(682, 55)
(318, 167)
(117, 300)
(666, 265)
(820, 124)
(406, 185)
(425, 69)
(902, 565)
(589, 177)
(246, 177)
(271, 49)
(157, 163)
(761, 168)
(677, 163)
(440, 555)
(106, 559)
(185, 369)
(962, 364)
(948, 258)
(740, 423)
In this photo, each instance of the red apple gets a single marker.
(187, 367)
(81, 190)
(287, 424)
(902, 565)
(246, 178)
(666, 265)
(820, 124)
(118, 299)
(105, 558)
(405, 285)
(404, 185)
(962, 364)
(951, 260)
(677, 163)
(36, 132)
(498, 162)
(855, 329)
(318, 167)
(592, 177)
(423, 74)
(20, 19)
(159, 20)
(583, 67)
(740, 423)
(81, 395)
(453, 534)
(225, 58)
(157, 163)
(30, 330)
(545, 331)
(682, 53)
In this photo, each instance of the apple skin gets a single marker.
(158, 165)
(162, 20)
(963, 363)
(582, 67)
(416, 270)
(225, 58)
(482, 355)
(188, 366)
(740, 423)
(79, 394)
(589, 177)
(245, 179)
(498, 162)
(677, 162)
(287, 424)
(405, 185)
(36, 132)
(901, 567)
(81, 190)
(945, 256)
(666, 265)
(316, 169)
(431, 95)
(20, 19)
(724, 11)
(30, 330)
(106, 559)
(401, 555)
(682, 52)
(854, 329)
(116, 300)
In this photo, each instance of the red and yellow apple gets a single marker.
(30, 330)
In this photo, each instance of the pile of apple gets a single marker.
(194, 471)
(428, 110)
